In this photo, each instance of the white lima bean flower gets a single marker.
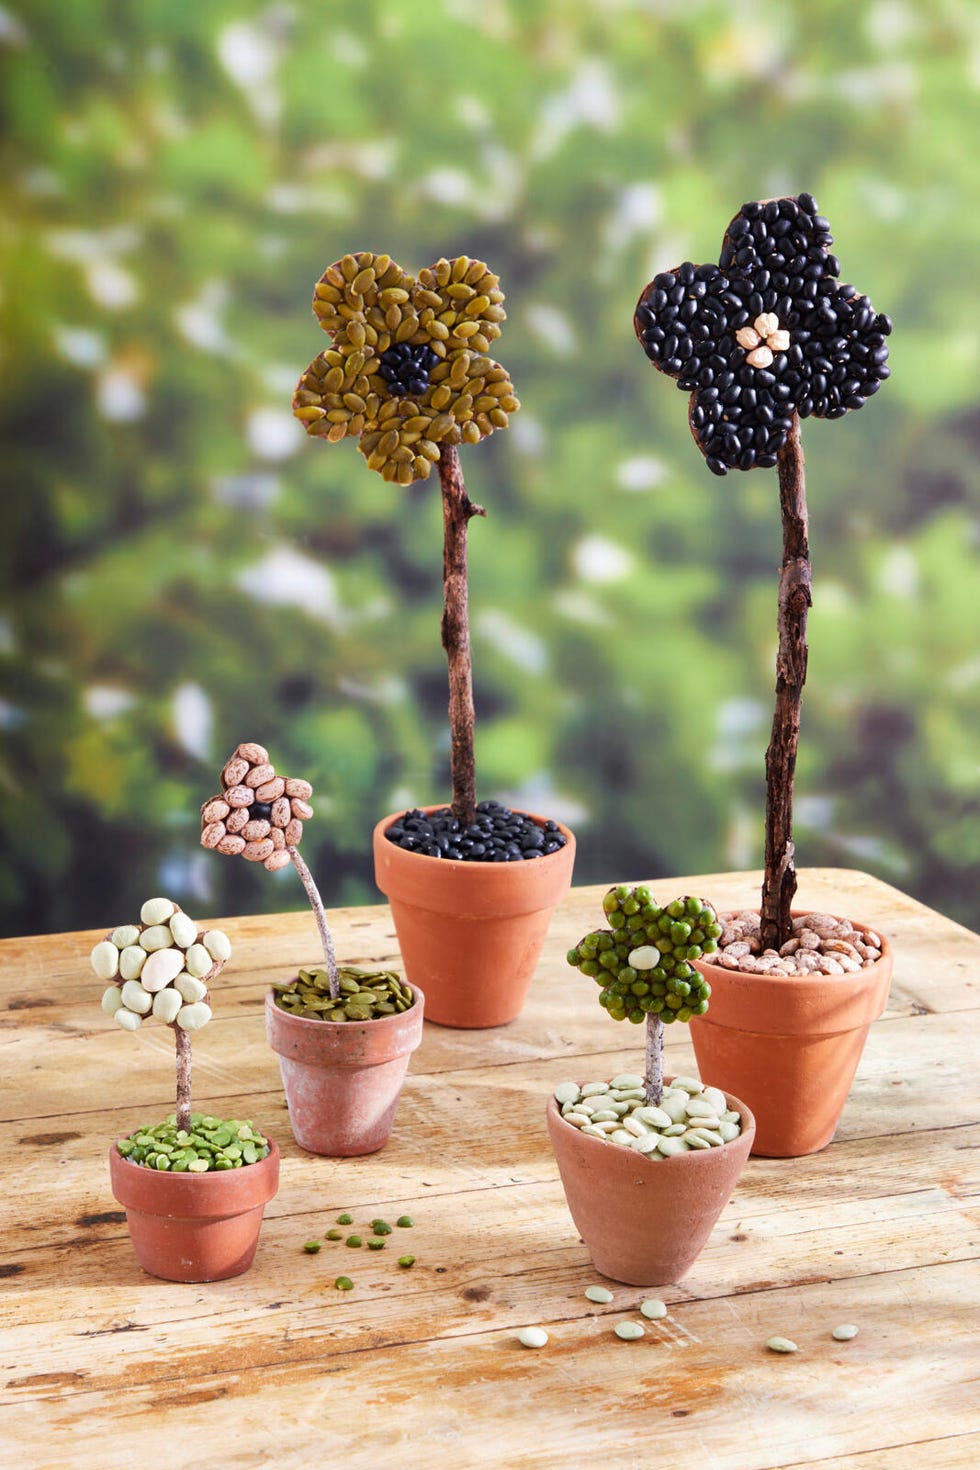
(162, 967)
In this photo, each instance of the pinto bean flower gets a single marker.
(767, 331)
(259, 815)
(408, 370)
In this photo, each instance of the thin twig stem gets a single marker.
(795, 600)
(653, 1078)
(457, 509)
(316, 904)
(182, 1042)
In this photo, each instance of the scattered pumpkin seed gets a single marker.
(344, 1283)
(629, 1331)
(598, 1294)
(845, 1332)
(532, 1337)
(781, 1345)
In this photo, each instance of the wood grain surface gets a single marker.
(106, 1367)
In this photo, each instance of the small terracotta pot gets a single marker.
(645, 1223)
(470, 933)
(790, 1045)
(194, 1227)
(343, 1079)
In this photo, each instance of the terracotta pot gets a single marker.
(645, 1223)
(470, 933)
(343, 1080)
(194, 1227)
(790, 1045)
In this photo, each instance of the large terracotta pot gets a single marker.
(470, 933)
(194, 1227)
(343, 1079)
(790, 1045)
(642, 1222)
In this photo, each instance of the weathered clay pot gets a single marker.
(790, 1045)
(470, 934)
(645, 1223)
(194, 1227)
(343, 1080)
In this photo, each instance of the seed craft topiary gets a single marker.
(408, 376)
(643, 964)
(767, 337)
(162, 968)
(259, 816)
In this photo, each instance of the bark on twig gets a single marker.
(457, 508)
(653, 1077)
(795, 600)
(182, 1042)
(316, 904)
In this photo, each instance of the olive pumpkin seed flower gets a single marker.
(766, 332)
(408, 370)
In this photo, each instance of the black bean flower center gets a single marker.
(406, 368)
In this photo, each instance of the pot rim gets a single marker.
(447, 865)
(747, 1119)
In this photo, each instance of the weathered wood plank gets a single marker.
(699, 1384)
(100, 1361)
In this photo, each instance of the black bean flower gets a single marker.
(767, 331)
(408, 370)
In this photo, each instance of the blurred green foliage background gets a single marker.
(184, 569)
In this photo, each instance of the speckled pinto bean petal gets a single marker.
(263, 812)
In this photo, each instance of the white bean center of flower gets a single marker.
(762, 340)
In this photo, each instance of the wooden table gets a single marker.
(105, 1366)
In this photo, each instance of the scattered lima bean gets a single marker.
(532, 1337)
(629, 1331)
(654, 1309)
(781, 1345)
(598, 1294)
(845, 1332)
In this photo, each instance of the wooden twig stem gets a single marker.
(457, 509)
(316, 904)
(182, 1042)
(795, 600)
(653, 1077)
